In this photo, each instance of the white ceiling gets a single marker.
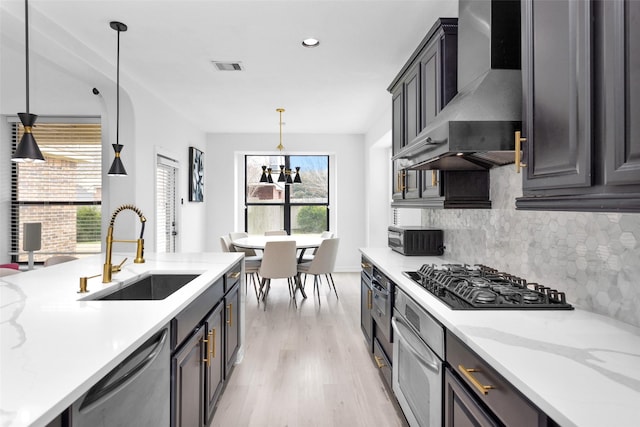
(338, 87)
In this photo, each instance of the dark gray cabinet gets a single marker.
(188, 382)
(205, 339)
(460, 407)
(366, 304)
(213, 360)
(232, 326)
(582, 148)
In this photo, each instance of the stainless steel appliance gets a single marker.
(418, 354)
(415, 241)
(135, 393)
(465, 287)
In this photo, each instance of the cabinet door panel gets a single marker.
(557, 94)
(232, 327)
(188, 383)
(397, 133)
(412, 105)
(430, 87)
(621, 38)
(214, 371)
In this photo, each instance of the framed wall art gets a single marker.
(196, 183)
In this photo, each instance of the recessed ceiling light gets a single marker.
(310, 42)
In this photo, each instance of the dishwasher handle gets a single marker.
(108, 386)
(420, 350)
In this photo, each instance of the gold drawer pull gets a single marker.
(484, 389)
(213, 342)
(518, 158)
(434, 178)
(379, 362)
(230, 320)
(234, 275)
(207, 360)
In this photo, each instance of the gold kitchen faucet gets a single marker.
(139, 259)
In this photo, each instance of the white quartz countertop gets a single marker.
(55, 345)
(580, 368)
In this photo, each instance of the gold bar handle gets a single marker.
(518, 157)
(484, 389)
(230, 308)
(207, 360)
(365, 265)
(236, 274)
(434, 178)
(379, 362)
(369, 299)
(213, 344)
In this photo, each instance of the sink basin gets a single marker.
(152, 287)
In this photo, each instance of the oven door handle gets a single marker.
(421, 351)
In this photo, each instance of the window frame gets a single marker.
(287, 204)
(15, 204)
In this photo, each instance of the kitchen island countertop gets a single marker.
(580, 368)
(55, 344)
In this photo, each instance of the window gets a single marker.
(64, 194)
(301, 208)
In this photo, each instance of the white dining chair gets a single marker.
(275, 233)
(308, 255)
(58, 259)
(251, 265)
(278, 262)
(247, 251)
(323, 263)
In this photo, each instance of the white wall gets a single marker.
(224, 184)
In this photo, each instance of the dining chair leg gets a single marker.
(299, 285)
(252, 276)
(316, 286)
(330, 276)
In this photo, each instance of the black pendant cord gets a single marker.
(118, 93)
(26, 43)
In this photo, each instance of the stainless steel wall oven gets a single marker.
(418, 354)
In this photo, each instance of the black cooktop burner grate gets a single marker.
(465, 287)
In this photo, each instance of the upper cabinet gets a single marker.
(579, 64)
(424, 86)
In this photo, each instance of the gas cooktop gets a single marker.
(465, 287)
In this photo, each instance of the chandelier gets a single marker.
(286, 175)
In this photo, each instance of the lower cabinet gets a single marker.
(232, 326)
(366, 304)
(206, 340)
(188, 382)
(461, 408)
(213, 360)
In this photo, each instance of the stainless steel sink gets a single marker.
(152, 287)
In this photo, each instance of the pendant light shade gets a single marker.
(117, 168)
(27, 149)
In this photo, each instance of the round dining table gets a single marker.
(303, 242)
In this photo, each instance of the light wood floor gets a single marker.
(306, 366)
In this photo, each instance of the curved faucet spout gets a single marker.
(139, 259)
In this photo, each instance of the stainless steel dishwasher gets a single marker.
(134, 393)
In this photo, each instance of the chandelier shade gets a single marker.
(284, 173)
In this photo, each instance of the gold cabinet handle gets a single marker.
(234, 275)
(230, 320)
(365, 265)
(434, 178)
(484, 389)
(213, 344)
(518, 158)
(379, 362)
(369, 299)
(401, 176)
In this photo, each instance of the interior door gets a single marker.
(166, 204)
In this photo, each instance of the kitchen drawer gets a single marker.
(183, 324)
(506, 402)
(382, 362)
(232, 277)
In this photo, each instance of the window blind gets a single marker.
(64, 194)
(166, 175)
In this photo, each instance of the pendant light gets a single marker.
(117, 168)
(284, 173)
(27, 150)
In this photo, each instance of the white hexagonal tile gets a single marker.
(628, 240)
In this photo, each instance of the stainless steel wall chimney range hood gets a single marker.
(476, 128)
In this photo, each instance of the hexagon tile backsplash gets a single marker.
(593, 257)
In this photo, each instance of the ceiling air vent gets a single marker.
(228, 66)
